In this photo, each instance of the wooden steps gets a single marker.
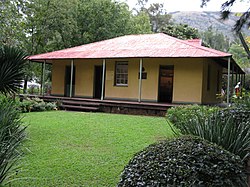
(79, 105)
(108, 106)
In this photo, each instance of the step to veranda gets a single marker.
(79, 108)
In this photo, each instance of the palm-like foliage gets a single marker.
(229, 128)
(12, 62)
(12, 134)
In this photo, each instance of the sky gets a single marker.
(194, 5)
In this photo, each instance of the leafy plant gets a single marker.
(35, 105)
(12, 134)
(12, 63)
(228, 128)
(181, 114)
(186, 161)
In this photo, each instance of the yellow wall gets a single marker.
(129, 92)
(58, 78)
(209, 96)
(189, 82)
(85, 77)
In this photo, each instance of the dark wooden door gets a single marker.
(165, 92)
(98, 82)
(67, 81)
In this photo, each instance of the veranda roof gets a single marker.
(157, 45)
(134, 46)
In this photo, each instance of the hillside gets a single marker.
(203, 20)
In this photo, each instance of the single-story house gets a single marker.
(142, 68)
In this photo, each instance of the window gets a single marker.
(121, 74)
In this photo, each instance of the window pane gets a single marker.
(121, 77)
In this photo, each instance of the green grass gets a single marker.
(84, 149)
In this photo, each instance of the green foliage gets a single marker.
(12, 62)
(57, 24)
(180, 115)
(181, 31)
(215, 39)
(11, 23)
(12, 134)
(157, 14)
(35, 105)
(186, 161)
(239, 55)
(228, 128)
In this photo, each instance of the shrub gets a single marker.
(35, 105)
(228, 128)
(12, 134)
(186, 161)
(181, 114)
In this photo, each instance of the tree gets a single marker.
(215, 39)
(157, 14)
(11, 23)
(244, 20)
(12, 63)
(181, 31)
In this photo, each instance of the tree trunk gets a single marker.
(244, 44)
(25, 86)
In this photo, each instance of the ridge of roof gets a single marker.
(128, 50)
(196, 46)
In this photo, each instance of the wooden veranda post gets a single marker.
(228, 80)
(43, 78)
(71, 78)
(103, 77)
(140, 80)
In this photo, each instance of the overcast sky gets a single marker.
(194, 5)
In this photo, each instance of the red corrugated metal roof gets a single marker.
(134, 46)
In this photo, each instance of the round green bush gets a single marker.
(186, 161)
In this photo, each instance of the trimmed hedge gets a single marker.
(186, 161)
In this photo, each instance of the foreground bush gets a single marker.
(228, 128)
(185, 161)
(12, 134)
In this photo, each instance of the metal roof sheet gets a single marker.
(134, 46)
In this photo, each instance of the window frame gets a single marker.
(117, 74)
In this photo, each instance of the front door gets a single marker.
(98, 82)
(165, 92)
(67, 81)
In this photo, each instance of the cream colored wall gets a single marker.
(58, 76)
(187, 83)
(188, 80)
(209, 96)
(129, 92)
(84, 76)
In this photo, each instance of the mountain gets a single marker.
(203, 20)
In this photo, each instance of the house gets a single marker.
(154, 68)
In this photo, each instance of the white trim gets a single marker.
(71, 78)
(103, 77)
(43, 78)
(140, 81)
(228, 80)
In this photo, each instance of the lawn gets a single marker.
(84, 149)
